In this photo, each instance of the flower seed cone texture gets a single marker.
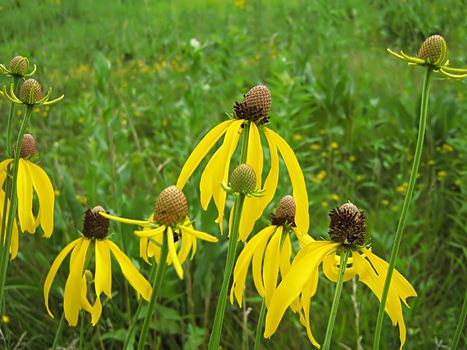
(433, 50)
(28, 147)
(243, 179)
(285, 212)
(347, 225)
(19, 65)
(95, 226)
(31, 92)
(171, 207)
(259, 97)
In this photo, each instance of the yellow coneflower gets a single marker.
(347, 231)
(170, 218)
(31, 178)
(252, 114)
(95, 230)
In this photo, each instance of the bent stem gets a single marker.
(460, 325)
(156, 288)
(13, 204)
(405, 206)
(59, 332)
(259, 328)
(337, 296)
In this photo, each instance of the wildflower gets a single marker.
(94, 238)
(30, 94)
(31, 178)
(252, 114)
(269, 253)
(18, 67)
(170, 219)
(347, 231)
(432, 53)
(14, 237)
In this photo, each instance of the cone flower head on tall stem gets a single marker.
(347, 231)
(30, 94)
(170, 218)
(250, 116)
(433, 53)
(94, 242)
(18, 67)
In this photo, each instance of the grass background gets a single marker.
(145, 80)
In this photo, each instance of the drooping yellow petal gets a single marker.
(257, 264)
(243, 262)
(270, 185)
(131, 273)
(45, 193)
(254, 156)
(300, 194)
(200, 151)
(14, 245)
(3, 173)
(124, 220)
(72, 293)
(24, 192)
(305, 299)
(198, 234)
(95, 310)
(292, 285)
(271, 264)
(103, 278)
(151, 232)
(285, 255)
(143, 249)
(206, 182)
(53, 271)
(187, 244)
(331, 268)
(173, 253)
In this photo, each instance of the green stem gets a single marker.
(138, 310)
(59, 332)
(460, 325)
(156, 288)
(81, 333)
(259, 328)
(229, 265)
(335, 302)
(405, 206)
(10, 119)
(13, 204)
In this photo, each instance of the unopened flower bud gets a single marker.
(171, 207)
(28, 146)
(285, 212)
(433, 50)
(19, 65)
(243, 179)
(30, 92)
(347, 225)
(255, 106)
(95, 226)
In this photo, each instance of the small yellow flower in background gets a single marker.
(297, 137)
(442, 174)
(335, 197)
(334, 145)
(268, 252)
(433, 53)
(352, 158)
(95, 231)
(320, 177)
(324, 204)
(5, 319)
(447, 148)
(384, 202)
(315, 147)
(324, 154)
(170, 218)
(252, 114)
(431, 162)
(31, 178)
(347, 230)
(241, 4)
(359, 177)
(402, 188)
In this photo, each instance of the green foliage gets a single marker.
(144, 81)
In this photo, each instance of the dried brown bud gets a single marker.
(347, 225)
(433, 50)
(171, 207)
(243, 179)
(19, 65)
(31, 92)
(255, 106)
(95, 226)
(285, 212)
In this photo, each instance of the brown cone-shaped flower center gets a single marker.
(95, 226)
(285, 212)
(171, 207)
(31, 92)
(433, 50)
(347, 225)
(28, 147)
(19, 65)
(255, 106)
(243, 179)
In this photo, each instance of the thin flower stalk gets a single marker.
(460, 325)
(259, 328)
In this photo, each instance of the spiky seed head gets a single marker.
(256, 105)
(285, 212)
(433, 50)
(243, 179)
(31, 92)
(95, 226)
(347, 225)
(171, 207)
(19, 65)
(28, 147)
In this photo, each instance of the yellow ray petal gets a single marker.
(200, 151)
(3, 166)
(286, 254)
(198, 234)
(24, 189)
(143, 249)
(271, 264)
(124, 220)
(308, 292)
(53, 271)
(131, 273)
(96, 309)
(292, 285)
(14, 242)
(173, 253)
(300, 194)
(187, 244)
(206, 182)
(151, 232)
(243, 262)
(257, 263)
(270, 185)
(331, 268)
(103, 278)
(254, 155)
(45, 193)
(72, 293)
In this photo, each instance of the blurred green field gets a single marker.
(145, 80)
